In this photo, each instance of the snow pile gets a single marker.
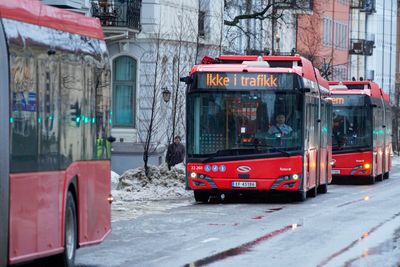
(162, 183)
(114, 180)
(136, 195)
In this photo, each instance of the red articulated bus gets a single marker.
(54, 132)
(362, 125)
(257, 124)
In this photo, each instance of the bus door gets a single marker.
(323, 159)
(378, 139)
(4, 149)
(311, 142)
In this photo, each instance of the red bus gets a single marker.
(362, 125)
(54, 127)
(257, 124)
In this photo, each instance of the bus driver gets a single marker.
(280, 127)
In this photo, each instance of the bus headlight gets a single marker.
(193, 175)
(295, 176)
(367, 166)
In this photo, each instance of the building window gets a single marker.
(124, 91)
(202, 15)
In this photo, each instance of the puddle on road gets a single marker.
(273, 210)
(355, 242)
(242, 248)
(385, 247)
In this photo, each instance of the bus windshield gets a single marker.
(351, 122)
(244, 123)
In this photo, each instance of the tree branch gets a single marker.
(257, 15)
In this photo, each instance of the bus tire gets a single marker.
(201, 196)
(371, 179)
(323, 188)
(386, 175)
(67, 258)
(301, 196)
(313, 191)
(379, 177)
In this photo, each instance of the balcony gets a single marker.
(367, 6)
(361, 47)
(120, 18)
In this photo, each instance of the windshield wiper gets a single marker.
(236, 152)
(287, 154)
(224, 152)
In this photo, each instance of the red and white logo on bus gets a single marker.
(243, 169)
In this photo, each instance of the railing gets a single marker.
(117, 13)
(361, 47)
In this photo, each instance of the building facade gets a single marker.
(323, 37)
(373, 42)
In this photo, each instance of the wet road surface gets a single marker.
(351, 225)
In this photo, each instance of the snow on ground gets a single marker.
(395, 160)
(135, 194)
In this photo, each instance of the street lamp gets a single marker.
(166, 94)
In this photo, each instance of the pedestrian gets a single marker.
(175, 152)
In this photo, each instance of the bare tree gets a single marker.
(239, 16)
(151, 122)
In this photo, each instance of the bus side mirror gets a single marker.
(111, 139)
(187, 79)
(305, 90)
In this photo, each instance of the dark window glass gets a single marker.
(24, 110)
(59, 102)
(243, 123)
(124, 91)
(352, 125)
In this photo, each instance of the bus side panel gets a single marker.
(4, 149)
(35, 215)
(94, 185)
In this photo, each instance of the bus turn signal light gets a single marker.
(367, 166)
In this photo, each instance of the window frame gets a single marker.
(133, 83)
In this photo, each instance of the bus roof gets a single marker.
(284, 64)
(358, 87)
(34, 12)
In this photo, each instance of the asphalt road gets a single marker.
(351, 225)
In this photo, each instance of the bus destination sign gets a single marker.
(222, 80)
(231, 80)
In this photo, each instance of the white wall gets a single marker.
(383, 24)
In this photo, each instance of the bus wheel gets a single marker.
(201, 196)
(301, 196)
(379, 178)
(313, 191)
(386, 175)
(371, 179)
(67, 258)
(323, 188)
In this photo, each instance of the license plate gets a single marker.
(244, 184)
(335, 171)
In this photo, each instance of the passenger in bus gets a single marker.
(280, 128)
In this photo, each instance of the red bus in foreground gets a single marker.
(54, 125)
(362, 125)
(257, 124)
